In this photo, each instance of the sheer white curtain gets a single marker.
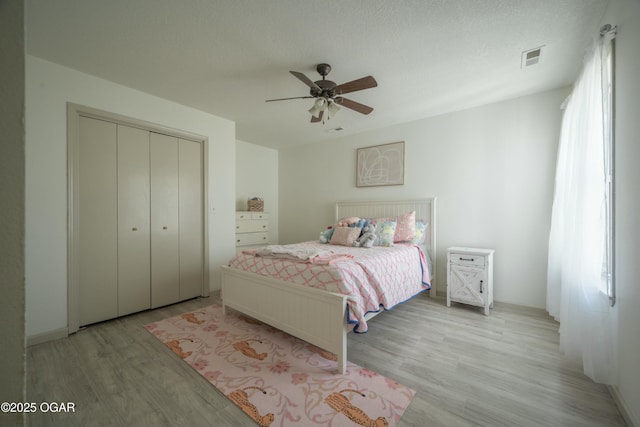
(577, 293)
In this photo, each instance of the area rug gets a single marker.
(279, 380)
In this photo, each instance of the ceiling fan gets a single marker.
(327, 94)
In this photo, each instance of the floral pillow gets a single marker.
(385, 230)
(345, 236)
(405, 226)
(421, 233)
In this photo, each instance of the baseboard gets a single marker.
(521, 308)
(627, 414)
(47, 336)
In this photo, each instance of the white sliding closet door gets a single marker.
(191, 219)
(133, 220)
(97, 205)
(165, 229)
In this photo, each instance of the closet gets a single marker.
(140, 231)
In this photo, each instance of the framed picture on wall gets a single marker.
(380, 165)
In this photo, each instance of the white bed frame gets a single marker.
(316, 316)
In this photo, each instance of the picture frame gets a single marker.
(380, 165)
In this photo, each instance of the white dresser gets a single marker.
(470, 277)
(252, 229)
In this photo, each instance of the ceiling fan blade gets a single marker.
(306, 80)
(284, 99)
(356, 106)
(354, 85)
(315, 119)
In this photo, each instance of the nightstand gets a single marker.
(470, 277)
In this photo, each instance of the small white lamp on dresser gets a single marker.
(470, 277)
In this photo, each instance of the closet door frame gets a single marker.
(74, 112)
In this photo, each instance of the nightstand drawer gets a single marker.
(249, 239)
(467, 259)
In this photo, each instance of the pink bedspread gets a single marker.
(370, 277)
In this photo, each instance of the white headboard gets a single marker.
(425, 210)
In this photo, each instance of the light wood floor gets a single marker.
(467, 370)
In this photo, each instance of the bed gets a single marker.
(323, 316)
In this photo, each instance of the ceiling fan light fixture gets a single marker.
(314, 111)
(333, 108)
(319, 105)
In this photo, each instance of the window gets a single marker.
(580, 274)
(608, 86)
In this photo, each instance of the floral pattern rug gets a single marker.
(279, 380)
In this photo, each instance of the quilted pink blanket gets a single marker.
(371, 277)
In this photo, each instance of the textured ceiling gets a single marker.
(227, 57)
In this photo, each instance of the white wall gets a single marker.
(12, 194)
(257, 176)
(491, 168)
(48, 88)
(626, 15)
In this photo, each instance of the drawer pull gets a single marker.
(466, 259)
(481, 286)
(238, 241)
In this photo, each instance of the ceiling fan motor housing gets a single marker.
(327, 89)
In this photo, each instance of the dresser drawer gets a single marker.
(243, 216)
(240, 216)
(467, 259)
(259, 215)
(252, 226)
(248, 239)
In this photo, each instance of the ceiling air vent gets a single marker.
(332, 130)
(531, 57)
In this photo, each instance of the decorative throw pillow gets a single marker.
(421, 233)
(385, 231)
(345, 236)
(405, 227)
